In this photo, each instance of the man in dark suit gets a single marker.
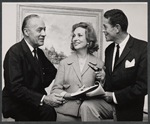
(27, 72)
(126, 68)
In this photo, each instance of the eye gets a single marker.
(104, 27)
(73, 35)
(44, 29)
(39, 30)
(80, 35)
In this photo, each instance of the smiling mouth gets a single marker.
(41, 39)
(76, 44)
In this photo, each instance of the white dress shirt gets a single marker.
(122, 46)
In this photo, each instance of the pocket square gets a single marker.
(129, 64)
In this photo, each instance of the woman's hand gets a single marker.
(68, 95)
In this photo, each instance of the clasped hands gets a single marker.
(54, 100)
(107, 96)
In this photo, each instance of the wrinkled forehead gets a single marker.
(35, 22)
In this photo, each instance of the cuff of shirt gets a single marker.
(41, 103)
(114, 98)
(63, 93)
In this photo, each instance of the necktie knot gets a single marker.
(35, 52)
(118, 46)
(36, 57)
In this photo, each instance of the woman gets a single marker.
(75, 74)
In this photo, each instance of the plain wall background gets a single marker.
(137, 14)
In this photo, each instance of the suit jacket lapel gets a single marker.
(126, 50)
(30, 57)
(73, 59)
(91, 59)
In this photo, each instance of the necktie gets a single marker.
(35, 53)
(117, 55)
(35, 57)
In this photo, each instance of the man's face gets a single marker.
(35, 31)
(108, 30)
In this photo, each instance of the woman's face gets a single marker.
(79, 39)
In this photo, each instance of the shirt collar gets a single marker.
(123, 43)
(30, 47)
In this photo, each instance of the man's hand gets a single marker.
(108, 96)
(100, 75)
(54, 99)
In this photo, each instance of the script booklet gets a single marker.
(90, 91)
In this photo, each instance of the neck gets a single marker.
(81, 54)
(34, 46)
(121, 38)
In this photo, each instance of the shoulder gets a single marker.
(15, 49)
(139, 45)
(139, 42)
(110, 46)
(96, 60)
(67, 60)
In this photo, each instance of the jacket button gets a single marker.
(78, 101)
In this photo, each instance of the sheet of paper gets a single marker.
(85, 90)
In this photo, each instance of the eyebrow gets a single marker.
(41, 28)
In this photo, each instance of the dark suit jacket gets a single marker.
(25, 83)
(128, 84)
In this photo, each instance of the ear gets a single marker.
(118, 28)
(25, 32)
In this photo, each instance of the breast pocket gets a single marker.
(129, 73)
(130, 68)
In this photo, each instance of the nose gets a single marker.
(104, 30)
(75, 38)
(43, 33)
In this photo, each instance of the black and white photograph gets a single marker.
(74, 62)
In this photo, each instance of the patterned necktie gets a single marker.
(35, 57)
(117, 54)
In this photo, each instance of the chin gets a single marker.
(77, 48)
(108, 40)
(41, 44)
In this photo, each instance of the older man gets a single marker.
(27, 72)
